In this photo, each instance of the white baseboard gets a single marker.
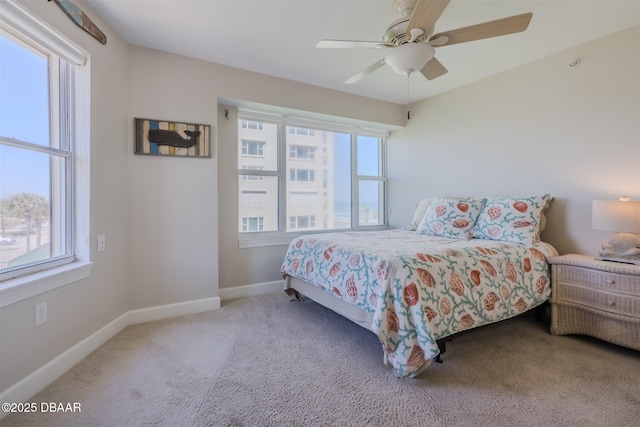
(33, 383)
(251, 290)
(172, 310)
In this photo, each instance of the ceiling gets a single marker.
(278, 38)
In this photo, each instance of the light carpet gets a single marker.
(266, 361)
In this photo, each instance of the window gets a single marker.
(302, 152)
(304, 222)
(312, 177)
(251, 124)
(371, 181)
(43, 137)
(252, 224)
(253, 148)
(301, 131)
(303, 175)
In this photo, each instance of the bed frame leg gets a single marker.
(293, 293)
(442, 346)
(541, 311)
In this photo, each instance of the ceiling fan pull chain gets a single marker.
(408, 110)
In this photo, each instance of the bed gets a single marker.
(465, 263)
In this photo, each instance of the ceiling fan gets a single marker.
(410, 42)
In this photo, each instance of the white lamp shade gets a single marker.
(615, 215)
(409, 57)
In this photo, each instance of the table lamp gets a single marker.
(622, 216)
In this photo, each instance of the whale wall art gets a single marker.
(168, 138)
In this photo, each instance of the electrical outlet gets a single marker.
(41, 314)
(102, 243)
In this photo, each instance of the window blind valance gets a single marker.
(310, 123)
(15, 15)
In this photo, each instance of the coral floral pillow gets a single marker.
(451, 218)
(512, 219)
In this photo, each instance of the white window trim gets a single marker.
(282, 238)
(13, 14)
(259, 147)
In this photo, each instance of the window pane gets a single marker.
(319, 187)
(252, 224)
(38, 122)
(31, 213)
(304, 222)
(253, 148)
(251, 124)
(258, 199)
(32, 183)
(302, 152)
(371, 206)
(369, 156)
(258, 145)
(24, 85)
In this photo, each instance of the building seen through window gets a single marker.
(316, 185)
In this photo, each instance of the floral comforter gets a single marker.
(419, 288)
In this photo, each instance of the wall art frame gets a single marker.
(171, 138)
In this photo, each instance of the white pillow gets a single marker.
(419, 214)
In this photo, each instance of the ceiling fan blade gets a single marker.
(499, 27)
(351, 44)
(370, 69)
(425, 14)
(433, 69)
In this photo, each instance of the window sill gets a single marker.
(257, 241)
(21, 288)
(262, 239)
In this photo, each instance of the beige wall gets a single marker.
(540, 128)
(184, 211)
(77, 310)
(173, 201)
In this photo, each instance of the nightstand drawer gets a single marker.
(606, 281)
(597, 298)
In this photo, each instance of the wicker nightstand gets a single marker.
(596, 298)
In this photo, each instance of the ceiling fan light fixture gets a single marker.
(409, 57)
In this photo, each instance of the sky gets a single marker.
(367, 165)
(24, 115)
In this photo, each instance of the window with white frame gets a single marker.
(302, 175)
(302, 152)
(301, 131)
(251, 124)
(253, 148)
(302, 222)
(44, 110)
(253, 224)
(315, 177)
